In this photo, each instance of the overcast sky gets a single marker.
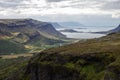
(87, 12)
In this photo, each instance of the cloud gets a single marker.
(54, 0)
(11, 4)
(50, 8)
(112, 5)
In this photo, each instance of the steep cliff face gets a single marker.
(96, 59)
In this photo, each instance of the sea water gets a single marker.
(85, 33)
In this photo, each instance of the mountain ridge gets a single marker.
(13, 23)
(29, 32)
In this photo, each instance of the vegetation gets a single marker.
(10, 66)
(17, 33)
(10, 47)
(96, 59)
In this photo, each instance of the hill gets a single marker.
(95, 59)
(29, 33)
(29, 27)
(117, 29)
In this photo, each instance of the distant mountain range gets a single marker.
(115, 30)
(56, 25)
(71, 24)
(28, 32)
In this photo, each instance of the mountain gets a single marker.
(71, 24)
(94, 59)
(29, 27)
(56, 25)
(29, 32)
(117, 29)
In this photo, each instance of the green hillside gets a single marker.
(10, 47)
(32, 34)
(95, 59)
(10, 66)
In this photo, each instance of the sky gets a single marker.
(87, 12)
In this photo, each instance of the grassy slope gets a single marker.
(96, 59)
(8, 47)
(9, 66)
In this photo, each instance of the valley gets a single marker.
(33, 50)
(59, 39)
